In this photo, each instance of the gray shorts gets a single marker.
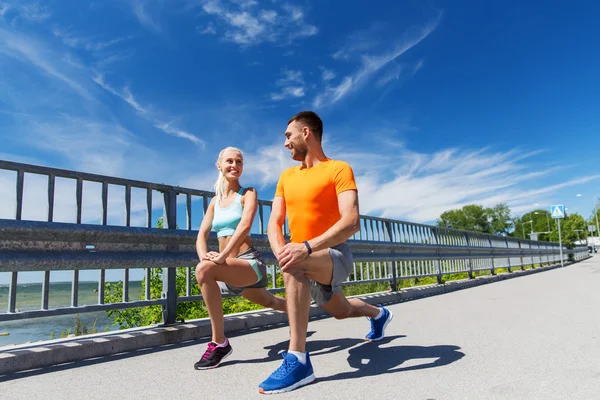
(342, 267)
(258, 265)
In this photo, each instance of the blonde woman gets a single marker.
(237, 263)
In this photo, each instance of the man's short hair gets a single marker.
(310, 119)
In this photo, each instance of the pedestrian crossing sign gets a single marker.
(557, 211)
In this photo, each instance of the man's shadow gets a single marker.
(368, 358)
(314, 347)
(371, 359)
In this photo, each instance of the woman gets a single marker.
(237, 264)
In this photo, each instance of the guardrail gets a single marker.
(383, 249)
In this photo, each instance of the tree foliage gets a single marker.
(572, 228)
(474, 217)
(497, 220)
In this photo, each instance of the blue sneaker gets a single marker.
(378, 326)
(289, 376)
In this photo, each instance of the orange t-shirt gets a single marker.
(310, 196)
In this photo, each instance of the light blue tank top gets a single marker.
(226, 219)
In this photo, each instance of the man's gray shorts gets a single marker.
(342, 267)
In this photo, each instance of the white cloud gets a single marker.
(88, 43)
(391, 74)
(171, 130)
(290, 76)
(288, 92)
(27, 49)
(209, 29)
(327, 74)
(408, 185)
(166, 127)
(247, 24)
(34, 11)
(3, 8)
(361, 45)
(266, 164)
(144, 15)
(292, 85)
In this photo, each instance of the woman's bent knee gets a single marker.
(203, 271)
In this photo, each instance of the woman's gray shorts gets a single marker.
(342, 267)
(258, 265)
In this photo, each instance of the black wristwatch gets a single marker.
(308, 247)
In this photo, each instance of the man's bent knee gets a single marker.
(341, 313)
(296, 274)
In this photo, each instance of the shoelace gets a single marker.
(211, 348)
(284, 369)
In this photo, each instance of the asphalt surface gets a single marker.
(534, 337)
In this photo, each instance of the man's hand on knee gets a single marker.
(290, 255)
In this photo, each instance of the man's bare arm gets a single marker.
(276, 220)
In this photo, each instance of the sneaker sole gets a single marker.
(308, 380)
(383, 330)
(216, 365)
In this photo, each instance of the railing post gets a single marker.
(509, 267)
(436, 263)
(391, 264)
(493, 270)
(522, 262)
(169, 290)
(469, 264)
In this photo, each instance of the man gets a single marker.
(321, 200)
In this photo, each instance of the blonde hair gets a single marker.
(219, 183)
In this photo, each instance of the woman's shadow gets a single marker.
(368, 358)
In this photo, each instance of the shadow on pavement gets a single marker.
(371, 359)
(368, 358)
(314, 347)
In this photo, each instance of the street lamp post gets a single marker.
(596, 214)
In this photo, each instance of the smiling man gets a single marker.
(320, 198)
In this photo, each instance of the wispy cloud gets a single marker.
(327, 74)
(34, 11)
(88, 43)
(3, 8)
(360, 47)
(247, 23)
(291, 84)
(209, 29)
(128, 97)
(143, 11)
(418, 187)
(30, 50)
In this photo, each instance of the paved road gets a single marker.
(535, 337)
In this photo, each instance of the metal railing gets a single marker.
(384, 250)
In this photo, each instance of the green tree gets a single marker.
(593, 221)
(499, 217)
(472, 217)
(537, 221)
(572, 229)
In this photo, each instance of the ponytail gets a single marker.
(219, 185)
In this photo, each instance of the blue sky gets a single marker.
(435, 104)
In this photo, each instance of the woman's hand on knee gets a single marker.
(210, 255)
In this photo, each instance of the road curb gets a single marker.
(50, 353)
